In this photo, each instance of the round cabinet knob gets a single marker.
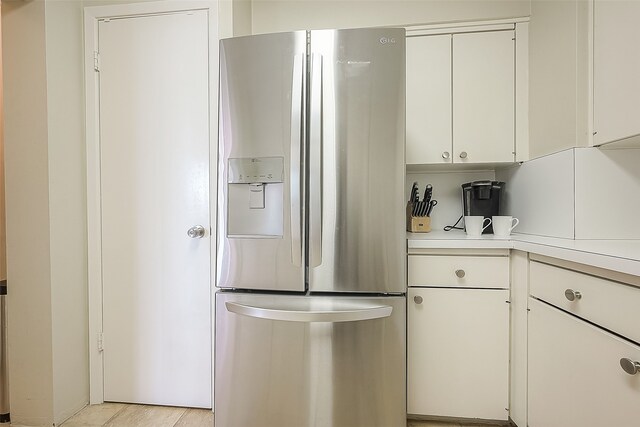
(572, 295)
(417, 299)
(445, 155)
(463, 155)
(196, 232)
(460, 273)
(631, 367)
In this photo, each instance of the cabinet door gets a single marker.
(616, 67)
(484, 97)
(575, 378)
(458, 353)
(429, 99)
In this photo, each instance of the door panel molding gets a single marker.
(92, 15)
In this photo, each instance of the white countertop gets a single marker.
(617, 255)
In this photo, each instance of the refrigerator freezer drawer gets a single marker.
(310, 361)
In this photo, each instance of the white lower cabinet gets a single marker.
(575, 374)
(458, 352)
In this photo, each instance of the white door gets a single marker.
(429, 99)
(154, 160)
(458, 352)
(484, 97)
(575, 376)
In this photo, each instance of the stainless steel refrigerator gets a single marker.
(311, 250)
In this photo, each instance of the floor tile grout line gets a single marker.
(181, 417)
(124, 406)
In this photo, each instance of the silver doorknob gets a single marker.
(417, 299)
(463, 155)
(196, 232)
(460, 273)
(572, 295)
(445, 154)
(631, 367)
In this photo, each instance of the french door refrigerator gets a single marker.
(311, 250)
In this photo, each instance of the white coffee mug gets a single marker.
(502, 225)
(475, 225)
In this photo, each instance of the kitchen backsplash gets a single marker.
(540, 194)
(607, 195)
(581, 193)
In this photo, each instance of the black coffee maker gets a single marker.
(482, 198)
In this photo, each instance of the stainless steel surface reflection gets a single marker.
(356, 144)
(313, 373)
(261, 98)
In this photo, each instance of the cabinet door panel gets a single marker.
(575, 378)
(458, 353)
(616, 67)
(428, 99)
(484, 97)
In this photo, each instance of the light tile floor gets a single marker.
(127, 415)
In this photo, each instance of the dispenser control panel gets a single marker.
(256, 170)
(256, 202)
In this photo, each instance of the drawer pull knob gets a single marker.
(572, 295)
(417, 299)
(631, 367)
(445, 155)
(460, 273)
(463, 155)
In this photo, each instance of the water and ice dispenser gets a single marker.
(255, 197)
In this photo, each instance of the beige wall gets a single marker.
(241, 17)
(3, 228)
(46, 226)
(67, 206)
(27, 200)
(286, 15)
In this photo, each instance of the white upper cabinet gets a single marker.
(461, 97)
(616, 71)
(483, 97)
(429, 99)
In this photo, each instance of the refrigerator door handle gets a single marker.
(315, 162)
(296, 142)
(350, 315)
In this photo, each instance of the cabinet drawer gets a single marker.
(575, 377)
(609, 304)
(459, 271)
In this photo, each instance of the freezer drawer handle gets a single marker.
(354, 315)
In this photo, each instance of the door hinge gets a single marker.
(100, 341)
(96, 61)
